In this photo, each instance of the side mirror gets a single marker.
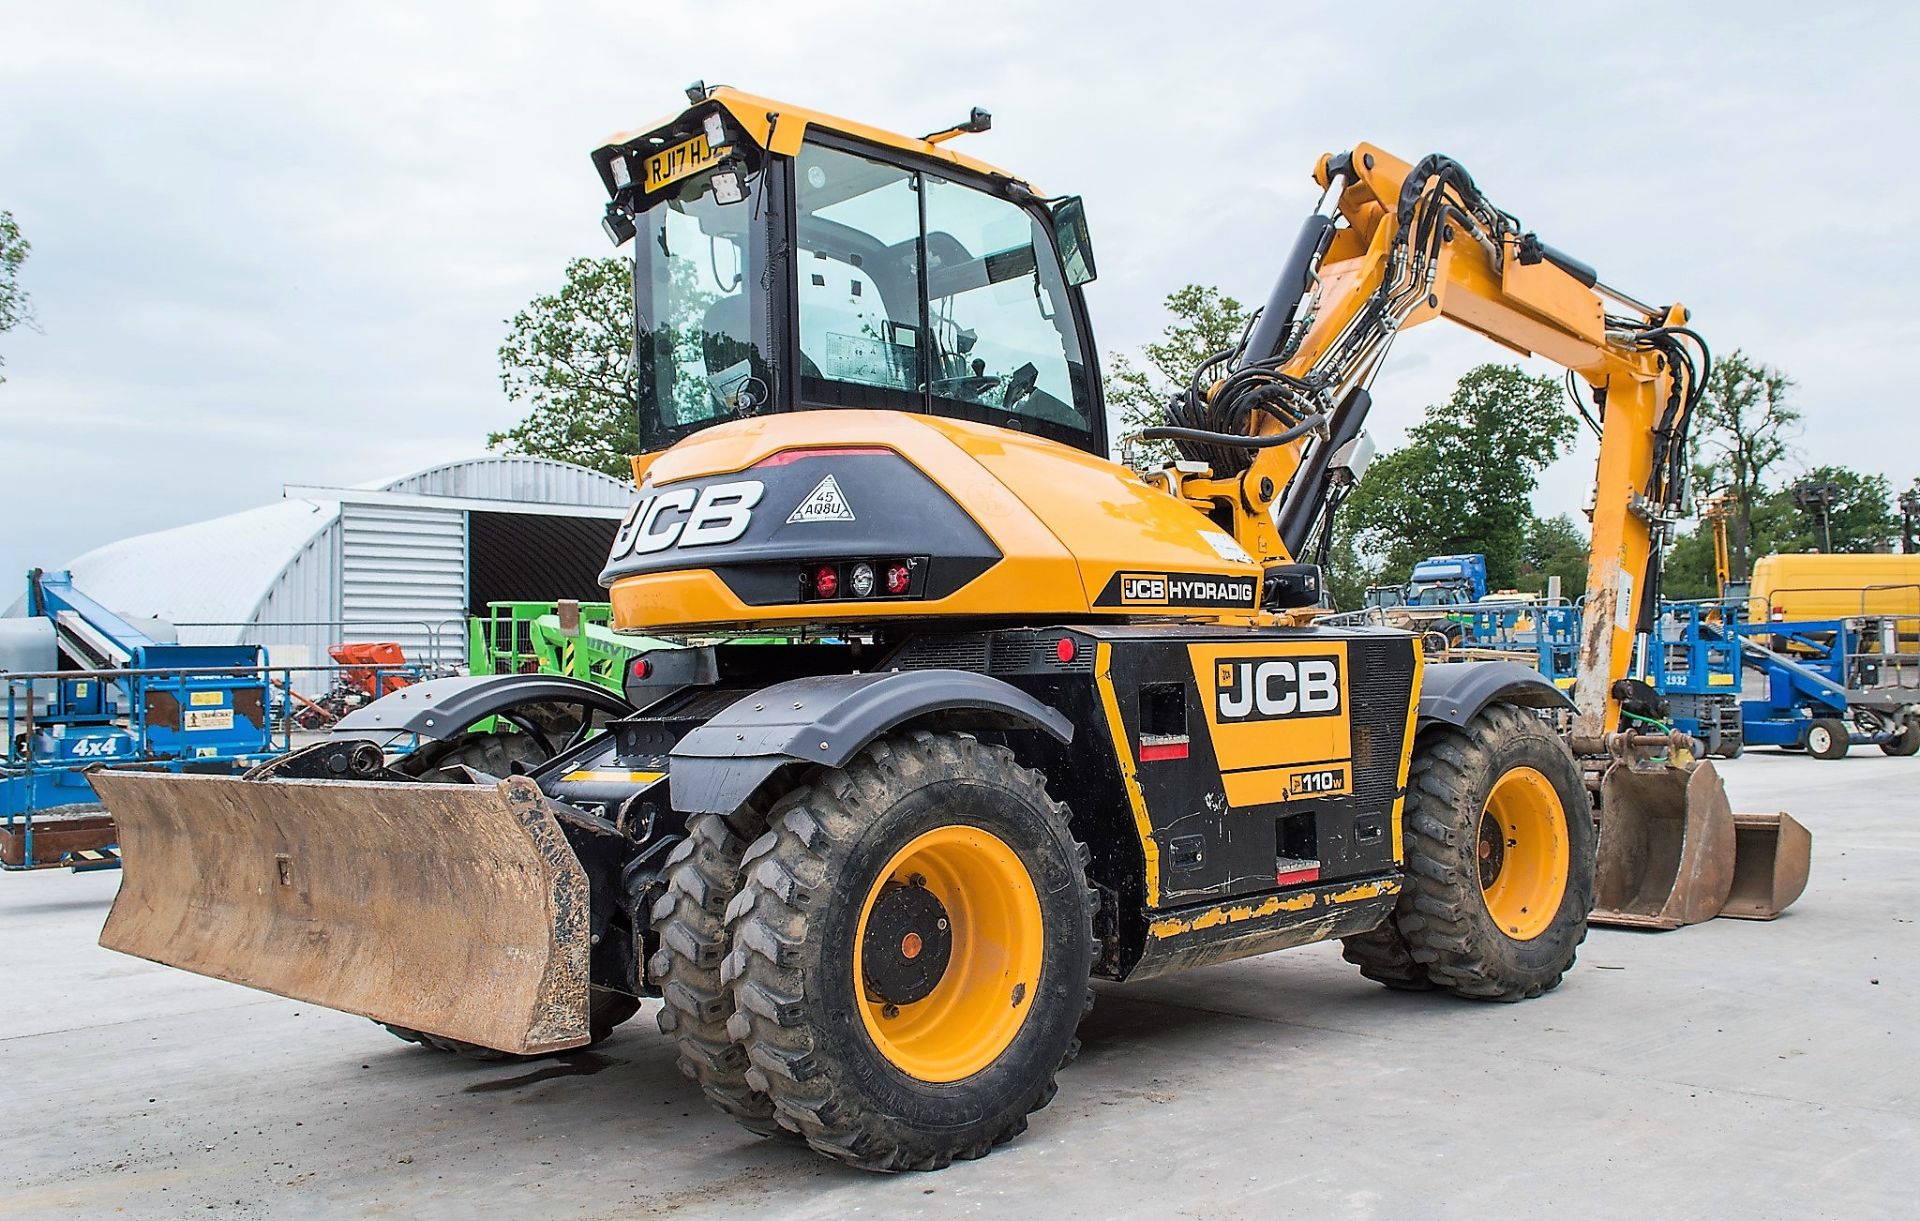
(1075, 241)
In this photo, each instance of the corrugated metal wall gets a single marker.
(403, 577)
(296, 620)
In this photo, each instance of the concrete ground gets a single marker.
(1733, 1069)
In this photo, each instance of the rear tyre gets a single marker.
(608, 1009)
(1499, 856)
(910, 953)
(1828, 739)
(1904, 743)
(703, 875)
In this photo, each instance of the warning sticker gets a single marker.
(1226, 547)
(206, 719)
(825, 503)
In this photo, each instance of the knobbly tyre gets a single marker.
(1038, 719)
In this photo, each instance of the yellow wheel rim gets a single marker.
(1523, 853)
(961, 894)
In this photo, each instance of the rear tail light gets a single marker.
(856, 579)
(641, 669)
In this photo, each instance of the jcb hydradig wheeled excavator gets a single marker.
(1037, 720)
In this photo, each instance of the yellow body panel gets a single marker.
(1065, 522)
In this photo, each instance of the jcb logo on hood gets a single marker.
(717, 513)
(1269, 688)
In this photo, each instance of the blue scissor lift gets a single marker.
(83, 687)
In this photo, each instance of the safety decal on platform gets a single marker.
(1178, 589)
(825, 503)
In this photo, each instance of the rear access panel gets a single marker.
(1266, 759)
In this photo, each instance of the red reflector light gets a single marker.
(899, 578)
(1065, 649)
(787, 456)
(641, 668)
(826, 581)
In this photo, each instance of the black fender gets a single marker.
(1454, 692)
(441, 708)
(827, 719)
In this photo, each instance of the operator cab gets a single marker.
(784, 260)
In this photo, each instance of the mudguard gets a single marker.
(441, 707)
(1454, 692)
(827, 719)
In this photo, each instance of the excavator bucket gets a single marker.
(1771, 858)
(1667, 847)
(457, 910)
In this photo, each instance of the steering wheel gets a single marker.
(973, 386)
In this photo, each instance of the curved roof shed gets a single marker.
(404, 559)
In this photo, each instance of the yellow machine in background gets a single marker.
(1037, 719)
(1824, 586)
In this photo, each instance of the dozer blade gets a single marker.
(457, 910)
(1666, 847)
(1770, 865)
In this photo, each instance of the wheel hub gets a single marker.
(907, 944)
(1492, 850)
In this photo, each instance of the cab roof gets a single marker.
(779, 128)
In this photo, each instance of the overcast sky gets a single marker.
(277, 243)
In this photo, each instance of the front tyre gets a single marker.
(1499, 857)
(1828, 738)
(910, 954)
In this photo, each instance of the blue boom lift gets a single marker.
(84, 687)
(1812, 695)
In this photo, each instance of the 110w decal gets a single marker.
(1271, 688)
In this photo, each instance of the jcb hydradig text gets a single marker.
(1040, 720)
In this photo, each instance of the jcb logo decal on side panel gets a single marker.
(717, 513)
(1262, 689)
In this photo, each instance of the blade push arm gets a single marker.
(1394, 245)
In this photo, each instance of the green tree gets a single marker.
(1860, 516)
(1687, 570)
(1554, 547)
(567, 355)
(1742, 430)
(1205, 321)
(1465, 479)
(16, 309)
(1860, 519)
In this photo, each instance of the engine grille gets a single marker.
(1379, 686)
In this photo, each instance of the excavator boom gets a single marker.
(1396, 244)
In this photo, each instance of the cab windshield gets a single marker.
(921, 293)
